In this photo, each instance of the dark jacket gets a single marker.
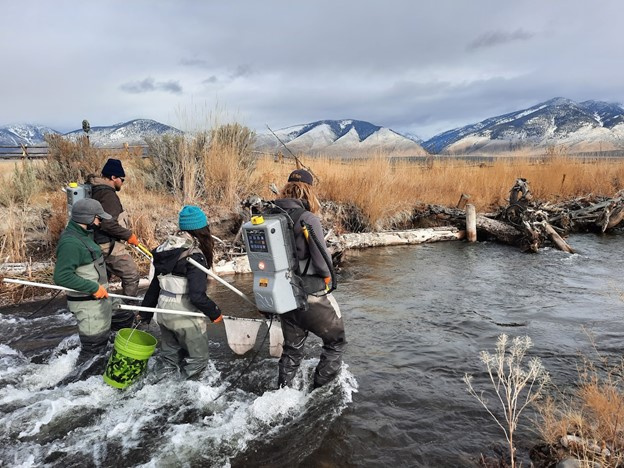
(307, 249)
(169, 262)
(110, 229)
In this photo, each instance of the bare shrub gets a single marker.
(70, 161)
(509, 380)
(589, 421)
(229, 164)
(213, 167)
(21, 187)
(13, 235)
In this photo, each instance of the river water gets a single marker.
(416, 319)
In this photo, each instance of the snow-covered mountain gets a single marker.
(344, 137)
(132, 132)
(584, 126)
(23, 134)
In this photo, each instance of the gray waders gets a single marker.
(93, 315)
(184, 340)
(119, 262)
(322, 318)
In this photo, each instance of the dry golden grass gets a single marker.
(594, 413)
(383, 189)
(12, 238)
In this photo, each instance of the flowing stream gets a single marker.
(416, 319)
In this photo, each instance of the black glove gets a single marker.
(213, 312)
(145, 317)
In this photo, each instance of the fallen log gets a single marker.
(338, 244)
(413, 236)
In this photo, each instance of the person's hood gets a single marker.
(168, 253)
(291, 203)
(95, 180)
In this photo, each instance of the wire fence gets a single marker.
(41, 151)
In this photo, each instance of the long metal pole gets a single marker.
(179, 312)
(220, 280)
(62, 288)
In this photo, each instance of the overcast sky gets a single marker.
(419, 67)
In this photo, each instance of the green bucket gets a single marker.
(129, 358)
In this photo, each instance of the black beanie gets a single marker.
(113, 167)
(300, 175)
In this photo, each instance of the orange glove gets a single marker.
(133, 240)
(101, 293)
(218, 319)
(327, 280)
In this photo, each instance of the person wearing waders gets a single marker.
(322, 317)
(179, 285)
(80, 266)
(112, 231)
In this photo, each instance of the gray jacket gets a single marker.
(305, 249)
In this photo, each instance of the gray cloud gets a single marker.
(199, 63)
(241, 71)
(149, 85)
(422, 67)
(495, 38)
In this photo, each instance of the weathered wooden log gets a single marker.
(471, 223)
(413, 236)
(463, 200)
(557, 239)
(617, 216)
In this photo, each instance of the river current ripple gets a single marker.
(416, 319)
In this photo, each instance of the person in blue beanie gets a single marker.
(180, 285)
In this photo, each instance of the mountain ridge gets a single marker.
(589, 125)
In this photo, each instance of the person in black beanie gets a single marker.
(119, 262)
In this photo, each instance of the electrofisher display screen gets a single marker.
(257, 240)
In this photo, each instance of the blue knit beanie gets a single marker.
(191, 218)
(113, 167)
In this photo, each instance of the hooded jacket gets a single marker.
(170, 258)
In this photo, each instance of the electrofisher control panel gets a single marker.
(272, 258)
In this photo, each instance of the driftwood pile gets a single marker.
(524, 222)
(531, 224)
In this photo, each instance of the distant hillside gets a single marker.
(132, 132)
(23, 134)
(340, 137)
(585, 126)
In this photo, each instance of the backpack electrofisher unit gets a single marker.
(76, 192)
(270, 244)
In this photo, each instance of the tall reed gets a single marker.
(383, 189)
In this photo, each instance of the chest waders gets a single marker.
(93, 315)
(184, 343)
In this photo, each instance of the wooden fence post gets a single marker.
(471, 223)
(462, 201)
